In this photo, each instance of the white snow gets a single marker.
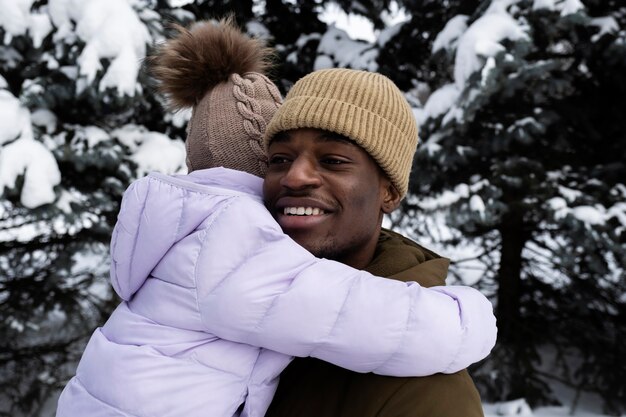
(543, 4)
(441, 100)
(160, 153)
(66, 198)
(90, 135)
(557, 204)
(21, 154)
(388, 33)
(345, 52)
(14, 119)
(395, 14)
(432, 147)
(486, 72)
(477, 204)
(591, 215)
(152, 151)
(305, 38)
(179, 118)
(258, 30)
(571, 7)
(44, 118)
(126, 63)
(520, 408)
(482, 40)
(618, 211)
(449, 197)
(129, 135)
(40, 26)
(179, 3)
(23, 233)
(94, 259)
(357, 26)
(450, 34)
(569, 193)
(14, 17)
(605, 25)
(323, 62)
(110, 29)
(41, 173)
(513, 408)
(525, 122)
(455, 113)
(70, 71)
(487, 48)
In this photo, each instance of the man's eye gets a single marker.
(333, 161)
(278, 159)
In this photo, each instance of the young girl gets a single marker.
(217, 300)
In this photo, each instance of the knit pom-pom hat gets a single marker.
(218, 71)
(364, 106)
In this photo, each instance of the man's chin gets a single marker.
(320, 248)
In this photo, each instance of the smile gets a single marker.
(302, 211)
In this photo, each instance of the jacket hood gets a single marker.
(159, 210)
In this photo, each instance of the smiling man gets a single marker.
(340, 150)
(316, 184)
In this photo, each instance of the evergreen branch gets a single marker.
(12, 354)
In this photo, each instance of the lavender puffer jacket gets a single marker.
(217, 300)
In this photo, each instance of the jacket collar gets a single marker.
(400, 258)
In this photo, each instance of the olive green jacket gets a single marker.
(313, 388)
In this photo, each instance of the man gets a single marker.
(340, 150)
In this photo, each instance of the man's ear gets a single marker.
(391, 198)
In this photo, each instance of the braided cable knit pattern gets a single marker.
(249, 107)
(229, 124)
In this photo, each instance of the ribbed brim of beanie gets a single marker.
(363, 106)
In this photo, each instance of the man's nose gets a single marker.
(302, 173)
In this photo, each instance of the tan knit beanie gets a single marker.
(364, 106)
(218, 71)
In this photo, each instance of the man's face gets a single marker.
(327, 194)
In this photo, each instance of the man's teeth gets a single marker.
(303, 211)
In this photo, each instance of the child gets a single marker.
(217, 300)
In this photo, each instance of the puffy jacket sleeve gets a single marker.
(257, 286)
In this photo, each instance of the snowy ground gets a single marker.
(520, 408)
(588, 405)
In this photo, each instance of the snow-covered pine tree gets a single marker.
(406, 57)
(78, 123)
(523, 160)
(293, 29)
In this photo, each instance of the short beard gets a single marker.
(330, 250)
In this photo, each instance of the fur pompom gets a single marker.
(206, 54)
